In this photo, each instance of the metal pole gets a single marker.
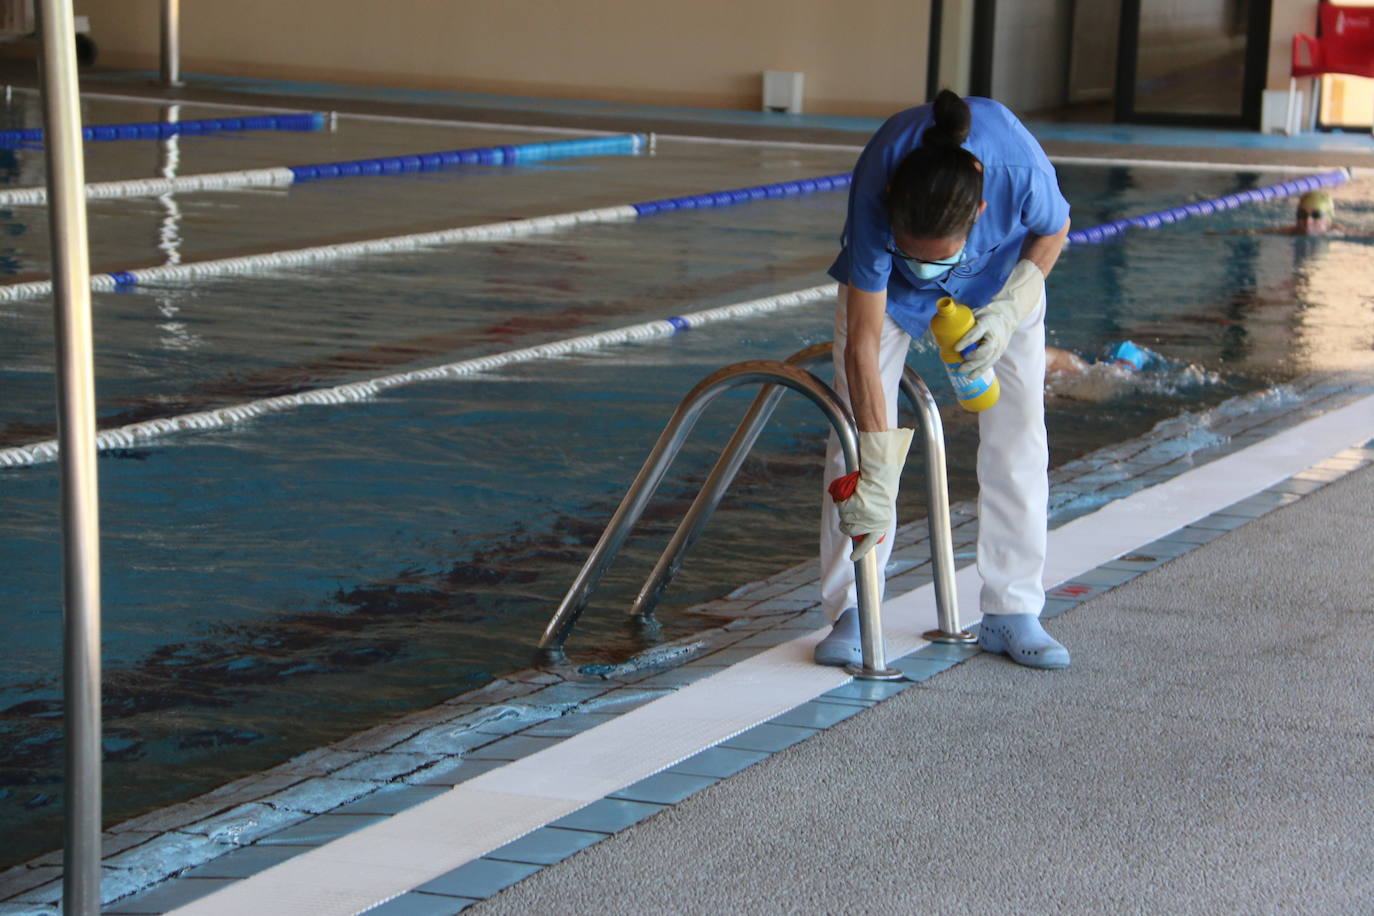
(171, 43)
(868, 589)
(76, 434)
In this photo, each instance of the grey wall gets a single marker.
(1092, 64)
(1030, 65)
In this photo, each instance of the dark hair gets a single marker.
(937, 189)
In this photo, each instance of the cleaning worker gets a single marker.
(956, 199)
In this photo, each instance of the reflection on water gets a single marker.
(1333, 329)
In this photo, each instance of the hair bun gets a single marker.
(952, 121)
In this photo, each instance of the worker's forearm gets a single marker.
(1043, 250)
(866, 313)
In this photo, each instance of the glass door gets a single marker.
(1192, 61)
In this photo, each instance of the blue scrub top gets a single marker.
(1022, 195)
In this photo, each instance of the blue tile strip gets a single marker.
(666, 788)
(610, 815)
(419, 904)
(719, 762)
(545, 846)
(479, 879)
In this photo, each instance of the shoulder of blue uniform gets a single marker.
(977, 103)
(1008, 146)
(899, 133)
(918, 114)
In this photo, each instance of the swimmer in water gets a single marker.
(1063, 361)
(1314, 216)
(1124, 355)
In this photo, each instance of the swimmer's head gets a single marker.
(1314, 214)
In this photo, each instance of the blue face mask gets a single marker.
(929, 270)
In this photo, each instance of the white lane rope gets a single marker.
(134, 433)
(300, 257)
(156, 187)
(503, 231)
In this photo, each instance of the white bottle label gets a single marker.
(966, 388)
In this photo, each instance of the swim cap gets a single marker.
(1317, 202)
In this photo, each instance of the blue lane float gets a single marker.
(155, 130)
(1102, 233)
(282, 176)
(523, 154)
(744, 195)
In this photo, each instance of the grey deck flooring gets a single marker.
(1210, 751)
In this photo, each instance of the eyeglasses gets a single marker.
(1312, 214)
(938, 262)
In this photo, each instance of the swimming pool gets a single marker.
(275, 585)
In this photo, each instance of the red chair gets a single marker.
(1346, 46)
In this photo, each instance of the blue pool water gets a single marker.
(272, 586)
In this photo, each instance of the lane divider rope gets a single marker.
(486, 155)
(281, 176)
(134, 433)
(272, 260)
(155, 130)
(154, 187)
(1158, 218)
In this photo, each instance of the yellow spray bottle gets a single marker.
(951, 322)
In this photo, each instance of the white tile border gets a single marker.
(369, 866)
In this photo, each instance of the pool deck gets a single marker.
(1209, 749)
(1112, 141)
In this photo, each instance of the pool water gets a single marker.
(272, 586)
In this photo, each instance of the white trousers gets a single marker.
(1013, 473)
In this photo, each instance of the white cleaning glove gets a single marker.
(867, 498)
(995, 322)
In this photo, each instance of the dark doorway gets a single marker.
(1192, 62)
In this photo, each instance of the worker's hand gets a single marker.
(995, 322)
(867, 497)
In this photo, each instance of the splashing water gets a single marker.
(1103, 381)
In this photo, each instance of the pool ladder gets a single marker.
(775, 377)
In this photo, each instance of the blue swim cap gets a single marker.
(1128, 354)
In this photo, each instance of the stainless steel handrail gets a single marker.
(948, 629)
(732, 458)
(717, 482)
(768, 372)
